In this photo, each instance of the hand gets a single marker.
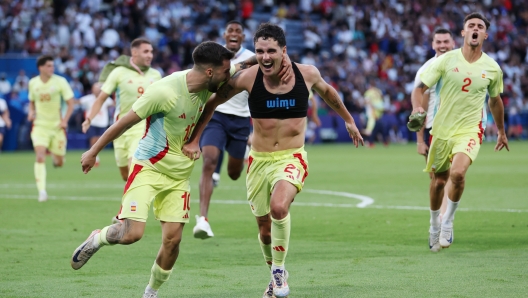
(502, 141)
(87, 161)
(422, 148)
(191, 150)
(31, 116)
(64, 124)
(354, 134)
(317, 121)
(86, 125)
(286, 72)
(418, 110)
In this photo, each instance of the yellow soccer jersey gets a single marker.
(462, 89)
(171, 113)
(129, 86)
(48, 99)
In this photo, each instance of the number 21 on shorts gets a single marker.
(291, 169)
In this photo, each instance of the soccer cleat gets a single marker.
(279, 283)
(43, 196)
(268, 293)
(216, 179)
(434, 241)
(202, 229)
(84, 252)
(446, 236)
(150, 295)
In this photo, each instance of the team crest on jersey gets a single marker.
(133, 206)
(483, 74)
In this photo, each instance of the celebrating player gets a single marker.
(442, 43)
(161, 172)
(46, 92)
(277, 161)
(228, 129)
(466, 76)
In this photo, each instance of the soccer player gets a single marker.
(99, 123)
(160, 171)
(228, 129)
(277, 164)
(130, 81)
(465, 76)
(442, 43)
(5, 120)
(46, 93)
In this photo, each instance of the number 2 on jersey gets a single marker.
(467, 82)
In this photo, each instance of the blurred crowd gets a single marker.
(356, 44)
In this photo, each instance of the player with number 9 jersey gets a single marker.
(462, 87)
(129, 85)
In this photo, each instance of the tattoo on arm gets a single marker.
(249, 62)
(334, 101)
(224, 90)
(116, 232)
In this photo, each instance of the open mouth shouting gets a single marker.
(474, 37)
(267, 65)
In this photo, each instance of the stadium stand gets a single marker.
(353, 42)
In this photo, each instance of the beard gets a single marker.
(212, 87)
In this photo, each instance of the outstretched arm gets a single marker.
(497, 110)
(331, 97)
(112, 133)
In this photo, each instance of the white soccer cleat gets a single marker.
(279, 282)
(202, 229)
(43, 196)
(268, 293)
(446, 236)
(434, 241)
(216, 179)
(84, 252)
(150, 295)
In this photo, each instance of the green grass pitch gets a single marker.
(336, 249)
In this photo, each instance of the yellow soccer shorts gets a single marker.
(441, 152)
(171, 197)
(125, 146)
(267, 168)
(53, 139)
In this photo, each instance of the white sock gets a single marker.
(435, 220)
(149, 290)
(449, 215)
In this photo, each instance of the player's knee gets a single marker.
(278, 210)
(457, 177)
(172, 243)
(233, 174)
(59, 162)
(41, 158)
(209, 163)
(439, 182)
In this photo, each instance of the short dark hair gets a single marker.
(268, 30)
(476, 15)
(43, 59)
(442, 31)
(210, 52)
(139, 41)
(234, 22)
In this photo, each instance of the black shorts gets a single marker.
(427, 136)
(95, 131)
(227, 132)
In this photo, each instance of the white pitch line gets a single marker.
(240, 202)
(365, 201)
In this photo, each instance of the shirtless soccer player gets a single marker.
(277, 164)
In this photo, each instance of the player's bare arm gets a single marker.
(69, 111)
(31, 112)
(417, 98)
(231, 88)
(112, 133)
(422, 147)
(497, 110)
(331, 97)
(96, 107)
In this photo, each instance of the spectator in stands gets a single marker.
(5, 85)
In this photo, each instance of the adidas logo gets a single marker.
(456, 69)
(186, 215)
(182, 116)
(278, 248)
